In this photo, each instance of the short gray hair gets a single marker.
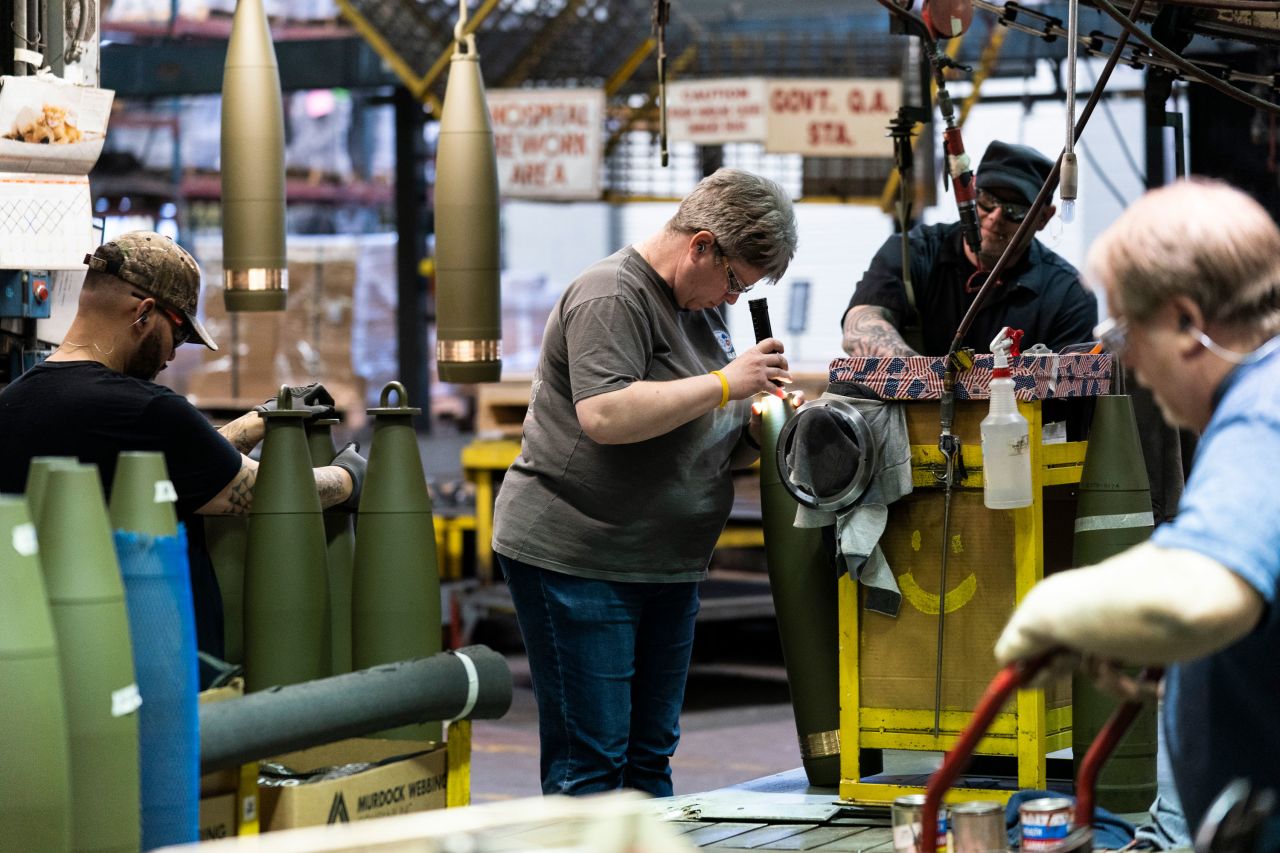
(751, 217)
(1196, 238)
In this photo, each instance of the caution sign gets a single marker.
(712, 112)
(831, 118)
(549, 142)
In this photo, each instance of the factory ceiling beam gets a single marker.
(682, 62)
(619, 78)
(170, 68)
(545, 41)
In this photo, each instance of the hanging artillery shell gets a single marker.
(468, 316)
(255, 272)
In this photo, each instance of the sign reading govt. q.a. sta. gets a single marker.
(831, 118)
(549, 142)
(813, 117)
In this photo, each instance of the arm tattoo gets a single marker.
(330, 486)
(240, 497)
(243, 433)
(870, 332)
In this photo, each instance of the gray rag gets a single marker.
(858, 528)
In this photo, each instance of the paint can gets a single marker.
(1045, 823)
(978, 827)
(906, 824)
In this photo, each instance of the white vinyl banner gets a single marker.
(831, 118)
(549, 142)
(712, 112)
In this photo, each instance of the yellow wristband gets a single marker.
(724, 387)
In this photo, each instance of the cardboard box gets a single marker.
(409, 776)
(222, 809)
(217, 817)
(311, 340)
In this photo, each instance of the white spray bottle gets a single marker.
(1006, 440)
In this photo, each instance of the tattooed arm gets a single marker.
(244, 432)
(237, 496)
(333, 485)
(868, 330)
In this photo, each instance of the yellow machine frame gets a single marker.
(1030, 733)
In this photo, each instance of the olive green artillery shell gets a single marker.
(227, 540)
(86, 598)
(396, 582)
(340, 542)
(38, 478)
(1113, 513)
(804, 601)
(253, 194)
(286, 584)
(142, 497)
(35, 772)
(467, 227)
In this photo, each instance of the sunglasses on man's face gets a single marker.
(1015, 213)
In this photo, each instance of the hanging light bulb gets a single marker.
(468, 320)
(253, 220)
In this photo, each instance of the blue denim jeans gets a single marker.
(609, 662)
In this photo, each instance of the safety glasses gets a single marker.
(1013, 212)
(1113, 334)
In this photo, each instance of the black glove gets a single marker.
(311, 398)
(350, 460)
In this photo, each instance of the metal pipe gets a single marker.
(473, 682)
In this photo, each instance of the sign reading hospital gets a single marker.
(548, 142)
(831, 118)
(712, 112)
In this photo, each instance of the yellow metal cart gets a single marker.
(888, 665)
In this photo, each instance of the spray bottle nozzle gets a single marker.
(1007, 343)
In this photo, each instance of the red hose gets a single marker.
(998, 692)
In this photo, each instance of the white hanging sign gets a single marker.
(549, 142)
(712, 112)
(831, 118)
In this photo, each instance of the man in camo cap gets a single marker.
(162, 270)
(95, 397)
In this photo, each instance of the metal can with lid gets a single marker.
(978, 827)
(1045, 822)
(906, 824)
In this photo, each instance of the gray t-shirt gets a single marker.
(648, 511)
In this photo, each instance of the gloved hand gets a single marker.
(350, 460)
(311, 398)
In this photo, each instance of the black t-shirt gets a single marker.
(1041, 294)
(84, 409)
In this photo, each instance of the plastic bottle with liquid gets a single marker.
(1006, 440)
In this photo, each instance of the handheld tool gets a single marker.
(762, 326)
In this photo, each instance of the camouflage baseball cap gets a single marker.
(155, 264)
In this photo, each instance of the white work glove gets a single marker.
(1043, 622)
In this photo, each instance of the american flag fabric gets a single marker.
(1039, 377)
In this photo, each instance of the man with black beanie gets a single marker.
(1039, 291)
